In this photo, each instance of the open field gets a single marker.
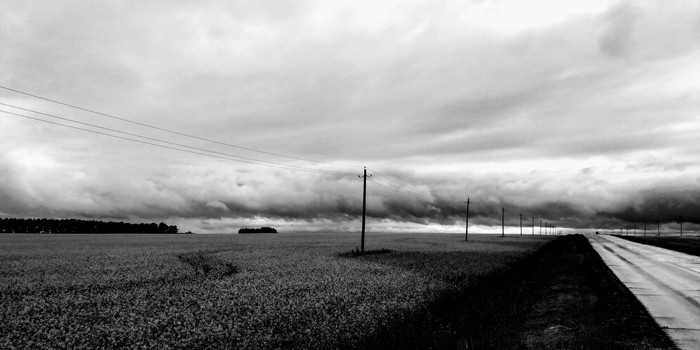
(683, 244)
(252, 291)
(309, 291)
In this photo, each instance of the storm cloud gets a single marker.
(582, 114)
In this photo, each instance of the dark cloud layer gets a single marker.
(578, 113)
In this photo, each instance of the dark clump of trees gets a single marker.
(258, 230)
(79, 226)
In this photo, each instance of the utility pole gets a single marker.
(658, 227)
(533, 225)
(364, 208)
(540, 227)
(503, 222)
(645, 228)
(466, 235)
(521, 224)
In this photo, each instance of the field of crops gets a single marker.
(244, 291)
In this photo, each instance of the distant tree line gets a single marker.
(79, 226)
(258, 230)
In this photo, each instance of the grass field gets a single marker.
(683, 244)
(247, 291)
(416, 291)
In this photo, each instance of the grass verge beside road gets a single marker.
(562, 297)
(687, 244)
(578, 303)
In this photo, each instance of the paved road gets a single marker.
(665, 281)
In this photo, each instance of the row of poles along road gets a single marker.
(549, 228)
(634, 229)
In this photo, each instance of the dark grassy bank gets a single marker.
(687, 244)
(580, 304)
(562, 297)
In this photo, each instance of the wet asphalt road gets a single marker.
(665, 281)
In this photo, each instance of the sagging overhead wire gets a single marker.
(248, 159)
(379, 182)
(188, 149)
(106, 115)
(400, 187)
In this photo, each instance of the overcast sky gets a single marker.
(578, 113)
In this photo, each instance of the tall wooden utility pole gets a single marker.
(466, 235)
(521, 224)
(503, 222)
(540, 227)
(364, 208)
(533, 225)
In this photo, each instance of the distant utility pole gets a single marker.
(364, 208)
(503, 222)
(645, 228)
(466, 235)
(658, 227)
(521, 224)
(540, 227)
(533, 225)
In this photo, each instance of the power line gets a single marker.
(170, 143)
(169, 130)
(402, 191)
(399, 187)
(212, 154)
